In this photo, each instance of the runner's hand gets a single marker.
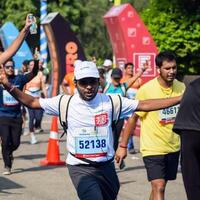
(120, 154)
(3, 77)
(29, 22)
(146, 66)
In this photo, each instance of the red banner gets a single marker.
(131, 41)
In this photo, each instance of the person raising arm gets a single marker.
(12, 49)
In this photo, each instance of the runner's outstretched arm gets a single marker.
(143, 105)
(157, 104)
(8, 53)
(25, 99)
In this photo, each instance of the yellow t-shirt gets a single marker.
(157, 137)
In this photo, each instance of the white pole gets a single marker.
(43, 38)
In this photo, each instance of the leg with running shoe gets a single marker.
(38, 120)
(31, 125)
(10, 134)
(5, 135)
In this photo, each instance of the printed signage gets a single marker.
(130, 39)
(64, 47)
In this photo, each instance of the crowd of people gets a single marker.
(93, 140)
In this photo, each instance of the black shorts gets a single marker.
(162, 166)
(95, 182)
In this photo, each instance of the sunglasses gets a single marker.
(117, 78)
(9, 66)
(90, 81)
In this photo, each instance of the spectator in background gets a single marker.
(128, 73)
(131, 93)
(68, 85)
(108, 65)
(36, 87)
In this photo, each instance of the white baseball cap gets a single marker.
(85, 69)
(107, 63)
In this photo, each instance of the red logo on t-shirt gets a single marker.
(101, 119)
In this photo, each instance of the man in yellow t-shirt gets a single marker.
(159, 145)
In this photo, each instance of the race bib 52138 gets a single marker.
(91, 142)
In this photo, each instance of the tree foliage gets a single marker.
(15, 11)
(85, 18)
(174, 25)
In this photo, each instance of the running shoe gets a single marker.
(7, 171)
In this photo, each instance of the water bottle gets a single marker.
(33, 27)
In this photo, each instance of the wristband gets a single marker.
(122, 146)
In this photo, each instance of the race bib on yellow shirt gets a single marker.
(8, 99)
(91, 142)
(168, 115)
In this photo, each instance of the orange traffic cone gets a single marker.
(53, 154)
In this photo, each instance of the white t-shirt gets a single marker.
(89, 132)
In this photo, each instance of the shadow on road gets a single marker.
(36, 168)
(32, 156)
(6, 184)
